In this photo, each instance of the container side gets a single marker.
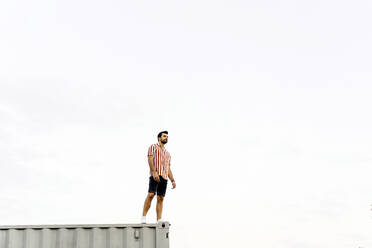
(85, 236)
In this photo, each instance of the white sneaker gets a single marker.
(161, 220)
(143, 220)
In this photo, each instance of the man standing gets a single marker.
(159, 162)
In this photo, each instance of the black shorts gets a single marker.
(158, 188)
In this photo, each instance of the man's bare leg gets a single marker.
(147, 204)
(159, 207)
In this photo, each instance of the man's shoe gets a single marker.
(160, 220)
(143, 220)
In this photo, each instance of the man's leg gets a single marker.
(147, 204)
(159, 207)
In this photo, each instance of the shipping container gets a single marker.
(86, 236)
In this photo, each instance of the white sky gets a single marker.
(267, 104)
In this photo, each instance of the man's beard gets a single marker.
(164, 142)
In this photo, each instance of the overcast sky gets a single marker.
(267, 104)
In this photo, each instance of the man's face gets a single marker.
(164, 138)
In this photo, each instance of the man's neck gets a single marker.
(161, 144)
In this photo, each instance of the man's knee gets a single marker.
(150, 196)
(160, 198)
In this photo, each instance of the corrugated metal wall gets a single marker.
(84, 236)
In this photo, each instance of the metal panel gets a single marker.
(48, 238)
(86, 236)
(16, 238)
(3, 238)
(150, 239)
(162, 236)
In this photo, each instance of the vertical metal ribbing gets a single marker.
(41, 236)
(90, 238)
(7, 240)
(3, 241)
(125, 238)
(140, 237)
(49, 238)
(58, 238)
(116, 237)
(148, 237)
(107, 238)
(31, 238)
(84, 237)
(15, 238)
(99, 237)
(74, 238)
(24, 238)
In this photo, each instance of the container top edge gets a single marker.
(73, 226)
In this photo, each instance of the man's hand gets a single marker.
(156, 176)
(173, 184)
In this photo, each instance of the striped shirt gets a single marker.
(161, 159)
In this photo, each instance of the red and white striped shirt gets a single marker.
(161, 159)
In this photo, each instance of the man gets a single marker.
(159, 162)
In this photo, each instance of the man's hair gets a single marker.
(161, 133)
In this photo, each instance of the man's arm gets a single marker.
(152, 168)
(170, 175)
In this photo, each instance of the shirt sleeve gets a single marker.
(151, 151)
